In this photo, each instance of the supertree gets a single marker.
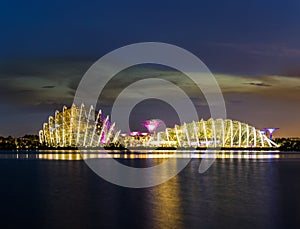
(152, 125)
(271, 131)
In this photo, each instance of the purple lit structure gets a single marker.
(134, 133)
(152, 125)
(271, 131)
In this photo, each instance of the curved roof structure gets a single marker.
(215, 133)
(78, 127)
(84, 127)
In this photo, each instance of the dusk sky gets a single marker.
(252, 48)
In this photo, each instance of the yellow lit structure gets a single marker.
(215, 133)
(84, 127)
(78, 127)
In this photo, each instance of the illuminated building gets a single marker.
(84, 127)
(204, 133)
(214, 133)
(78, 127)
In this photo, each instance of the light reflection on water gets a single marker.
(241, 193)
(69, 155)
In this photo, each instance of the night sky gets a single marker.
(252, 48)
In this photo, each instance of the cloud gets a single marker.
(248, 98)
(259, 84)
(236, 101)
(267, 50)
(275, 86)
(48, 86)
(63, 78)
(24, 82)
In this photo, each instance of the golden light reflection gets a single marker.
(64, 157)
(69, 155)
(168, 204)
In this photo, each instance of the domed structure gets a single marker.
(214, 133)
(84, 127)
(78, 127)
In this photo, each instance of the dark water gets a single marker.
(233, 193)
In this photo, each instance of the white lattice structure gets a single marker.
(84, 127)
(78, 127)
(214, 133)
